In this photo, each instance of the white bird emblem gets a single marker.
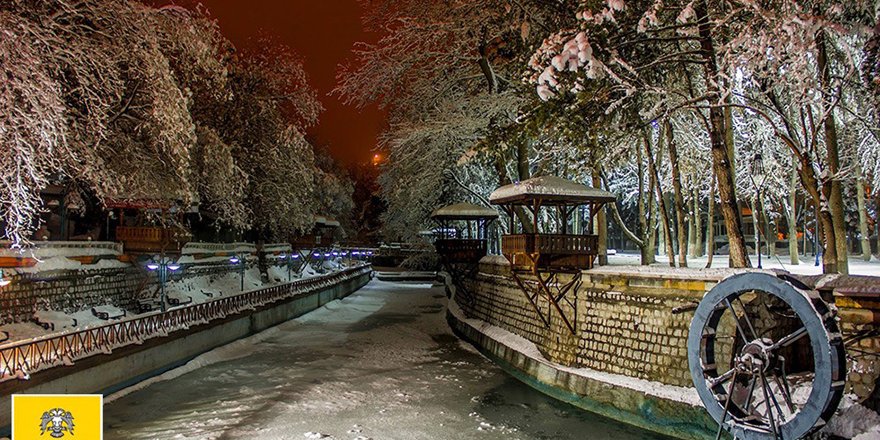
(56, 422)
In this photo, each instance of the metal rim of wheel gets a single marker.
(757, 361)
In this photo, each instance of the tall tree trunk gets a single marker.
(680, 227)
(720, 153)
(791, 213)
(503, 179)
(601, 223)
(769, 229)
(644, 220)
(865, 237)
(661, 203)
(756, 223)
(523, 148)
(877, 222)
(710, 227)
(697, 222)
(835, 202)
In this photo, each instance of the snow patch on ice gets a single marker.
(234, 350)
(854, 421)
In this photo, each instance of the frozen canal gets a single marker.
(380, 364)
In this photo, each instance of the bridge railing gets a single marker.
(22, 358)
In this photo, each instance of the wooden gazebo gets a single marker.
(139, 237)
(544, 251)
(462, 233)
(316, 241)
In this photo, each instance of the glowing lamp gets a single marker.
(234, 260)
(153, 266)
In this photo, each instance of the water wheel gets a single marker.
(766, 357)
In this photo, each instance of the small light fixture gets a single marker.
(152, 265)
(294, 256)
(282, 256)
(234, 260)
(758, 168)
(173, 266)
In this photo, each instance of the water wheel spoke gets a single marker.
(739, 326)
(714, 382)
(789, 339)
(726, 405)
(786, 395)
(751, 395)
(769, 402)
(746, 318)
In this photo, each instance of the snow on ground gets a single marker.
(42, 249)
(380, 364)
(188, 290)
(853, 421)
(64, 263)
(857, 266)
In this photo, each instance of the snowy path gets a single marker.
(381, 364)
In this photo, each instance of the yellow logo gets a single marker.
(61, 416)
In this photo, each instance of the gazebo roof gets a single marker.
(549, 190)
(464, 211)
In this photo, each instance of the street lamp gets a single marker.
(288, 259)
(241, 261)
(758, 177)
(162, 267)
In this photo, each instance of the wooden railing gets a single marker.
(142, 233)
(306, 242)
(459, 245)
(150, 238)
(551, 244)
(23, 358)
(457, 250)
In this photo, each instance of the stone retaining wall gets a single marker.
(624, 322)
(626, 326)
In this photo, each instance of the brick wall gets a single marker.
(625, 324)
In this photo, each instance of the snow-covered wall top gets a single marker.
(48, 249)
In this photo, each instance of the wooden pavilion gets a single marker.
(463, 231)
(136, 233)
(533, 249)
